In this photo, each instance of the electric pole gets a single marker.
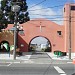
(15, 8)
(69, 31)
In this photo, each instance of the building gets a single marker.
(43, 46)
(60, 37)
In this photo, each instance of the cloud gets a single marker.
(44, 13)
(41, 12)
(39, 40)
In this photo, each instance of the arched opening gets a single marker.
(40, 44)
(4, 46)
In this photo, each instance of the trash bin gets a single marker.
(59, 53)
(54, 52)
(64, 53)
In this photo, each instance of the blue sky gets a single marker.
(35, 9)
(49, 9)
(39, 40)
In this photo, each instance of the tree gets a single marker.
(7, 16)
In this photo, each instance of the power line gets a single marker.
(46, 8)
(42, 2)
(50, 20)
(45, 15)
(55, 18)
(44, 20)
(52, 16)
(37, 4)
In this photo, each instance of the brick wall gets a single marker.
(8, 36)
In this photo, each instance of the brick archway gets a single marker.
(4, 46)
(49, 48)
(41, 27)
(7, 35)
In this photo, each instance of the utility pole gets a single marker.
(70, 31)
(15, 8)
(15, 37)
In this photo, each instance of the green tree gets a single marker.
(7, 16)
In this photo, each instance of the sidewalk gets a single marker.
(62, 57)
(27, 55)
(6, 56)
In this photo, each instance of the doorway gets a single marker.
(4, 46)
(40, 44)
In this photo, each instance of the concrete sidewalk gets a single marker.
(27, 55)
(62, 57)
(6, 56)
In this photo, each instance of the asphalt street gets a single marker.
(38, 64)
(37, 69)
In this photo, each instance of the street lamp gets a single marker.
(15, 8)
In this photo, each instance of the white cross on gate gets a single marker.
(40, 27)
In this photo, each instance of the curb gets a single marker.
(49, 56)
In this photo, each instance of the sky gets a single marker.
(49, 9)
(39, 40)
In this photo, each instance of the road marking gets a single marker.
(62, 74)
(15, 62)
(59, 70)
(69, 62)
(9, 64)
(28, 56)
(6, 64)
(29, 61)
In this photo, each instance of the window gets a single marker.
(72, 7)
(64, 9)
(59, 32)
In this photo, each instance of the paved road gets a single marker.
(37, 69)
(40, 58)
(38, 64)
(43, 58)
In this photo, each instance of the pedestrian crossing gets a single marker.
(59, 70)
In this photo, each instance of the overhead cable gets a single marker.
(37, 4)
(46, 8)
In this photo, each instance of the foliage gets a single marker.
(46, 49)
(7, 16)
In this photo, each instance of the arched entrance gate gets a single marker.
(41, 28)
(40, 44)
(4, 46)
(6, 40)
